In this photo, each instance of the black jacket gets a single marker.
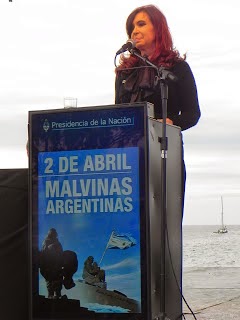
(139, 85)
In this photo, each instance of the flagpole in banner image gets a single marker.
(118, 241)
(106, 247)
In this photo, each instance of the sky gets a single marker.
(52, 49)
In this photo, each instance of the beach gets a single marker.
(212, 293)
(211, 274)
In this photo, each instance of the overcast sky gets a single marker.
(51, 49)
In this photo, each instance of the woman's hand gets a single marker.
(168, 121)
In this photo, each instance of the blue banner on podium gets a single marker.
(88, 212)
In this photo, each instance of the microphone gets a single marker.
(129, 45)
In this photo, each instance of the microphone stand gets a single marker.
(162, 75)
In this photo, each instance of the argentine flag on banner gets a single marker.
(120, 241)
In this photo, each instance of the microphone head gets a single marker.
(129, 45)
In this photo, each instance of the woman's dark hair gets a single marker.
(164, 53)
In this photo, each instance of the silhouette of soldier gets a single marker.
(92, 273)
(51, 262)
(98, 272)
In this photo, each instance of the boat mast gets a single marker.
(222, 211)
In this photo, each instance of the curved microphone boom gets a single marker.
(129, 45)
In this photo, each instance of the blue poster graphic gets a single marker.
(91, 199)
(88, 213)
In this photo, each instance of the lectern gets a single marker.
(95, 208)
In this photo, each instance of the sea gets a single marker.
(203, 247)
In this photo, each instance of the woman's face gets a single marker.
(143, 33)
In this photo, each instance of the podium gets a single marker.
(95, 179)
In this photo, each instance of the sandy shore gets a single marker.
(212, 293)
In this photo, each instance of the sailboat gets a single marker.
(223, 228)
